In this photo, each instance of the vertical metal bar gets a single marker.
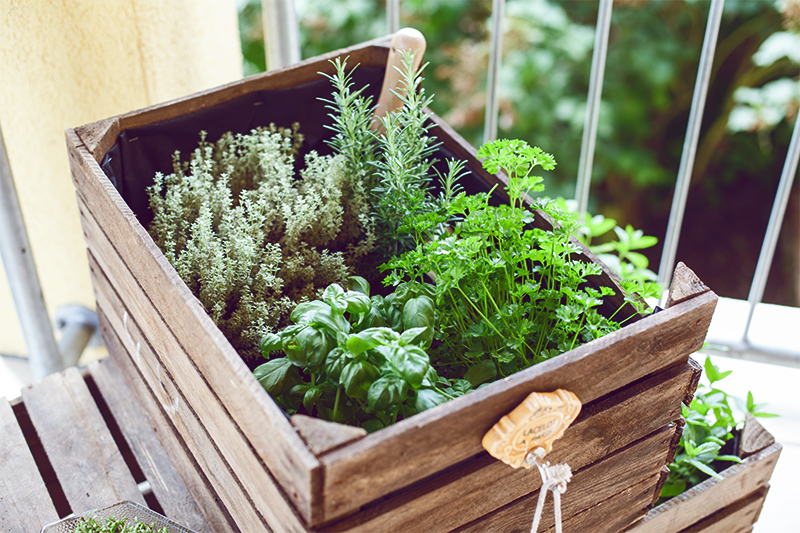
(20, 269)
(392, 15)
(690, 143)
(593, 104)
(281, 33)
(774, 226)
(495, 55)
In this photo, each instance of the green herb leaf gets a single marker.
(276, 376)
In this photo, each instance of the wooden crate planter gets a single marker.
(254, 467)
(729, 505)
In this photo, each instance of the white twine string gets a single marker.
(555, 479)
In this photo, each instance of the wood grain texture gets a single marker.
(165, 482)
(178, 312)
(685, 285)
(738, 517)
(754, 437)
(601, 429)
(712, 494)
(210, 505)
(25, 504)
(79, 446)
(609, 478)
(448, 434)
(322, 436)
(239, 478)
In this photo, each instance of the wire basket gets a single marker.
(126, 509)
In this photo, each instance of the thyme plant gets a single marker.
(252, 240)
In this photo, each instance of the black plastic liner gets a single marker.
(131, 164)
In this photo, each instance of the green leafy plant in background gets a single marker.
(251, 239)
(711, 420)
(112, 525)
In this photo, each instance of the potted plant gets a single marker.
(267, 470)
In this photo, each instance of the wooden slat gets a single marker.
(615, 513)
(100, 136)
(179, 316)
(754, 437)
(237, 475)
(448, 434)
(609, 478)
(601, 429)
(79, 446)
(165, 482)
(738, 517)
(217, 518)
(25, 504)
(691, 506)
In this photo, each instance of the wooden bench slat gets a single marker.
(165, 482)
(79, 446)
(25, 504)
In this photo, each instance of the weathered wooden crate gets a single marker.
(728, 505)
(427, 473)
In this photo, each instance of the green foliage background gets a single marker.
(649, 81)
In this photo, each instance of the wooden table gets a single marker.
(77, 441)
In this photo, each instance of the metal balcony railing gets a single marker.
(745, 329)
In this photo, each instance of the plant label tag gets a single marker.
(535, 423)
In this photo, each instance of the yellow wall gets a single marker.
(66, 63)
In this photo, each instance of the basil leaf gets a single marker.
(427, 398)
(386, 392)
(357, 302)
(359, 284)
(357, 376)
(270, 343)
(335, 362)
(276, 376)
(419, 313)
(310, 399)
(481, 372)
(409, 336)
(334, 296)
(411, 362)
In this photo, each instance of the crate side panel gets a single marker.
(482, 485)
(234, 471)
(173, 442)
(249, 407)
(448, 434)
(738, 517)
(609, 479)
(691, 506)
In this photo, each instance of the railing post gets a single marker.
(15, 250)
(773, 226)
(392, 15)
(281, 33)
(495, 55)
(593, 104)
(690, 143)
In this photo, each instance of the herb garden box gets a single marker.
(258, 469)
(731, 504)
